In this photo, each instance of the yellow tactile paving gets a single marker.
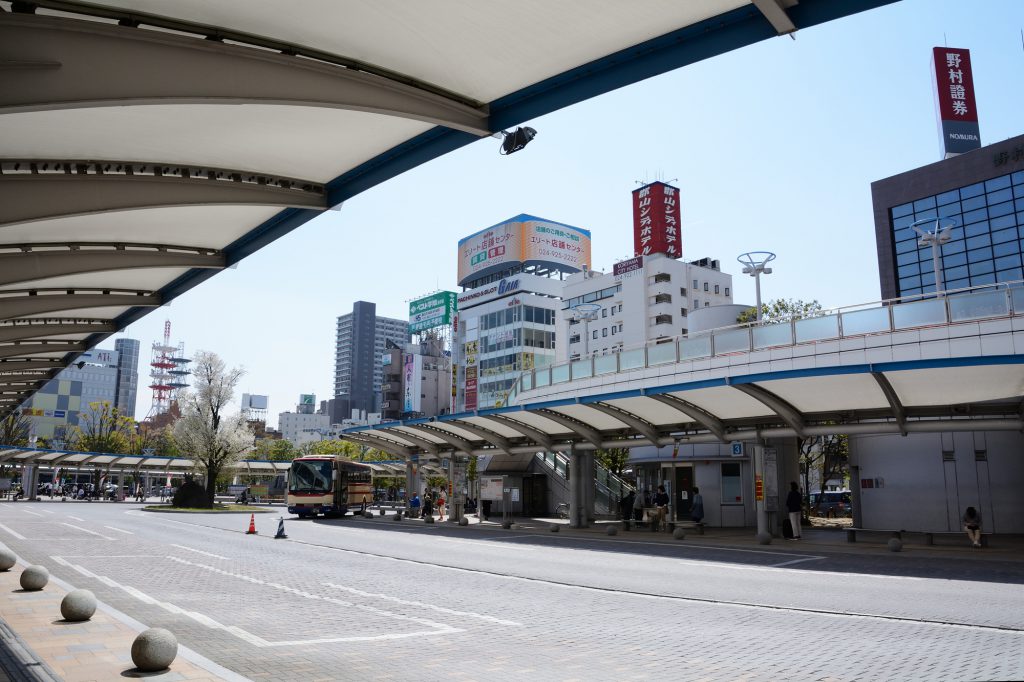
(98, 649)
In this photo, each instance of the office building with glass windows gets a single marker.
(981, 193)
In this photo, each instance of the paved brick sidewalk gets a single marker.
(48, 648)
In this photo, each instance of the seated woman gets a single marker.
(972, 524)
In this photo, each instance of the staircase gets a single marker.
(609, 489)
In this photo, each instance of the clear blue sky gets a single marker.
(773, 147)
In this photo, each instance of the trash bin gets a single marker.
(486, 506)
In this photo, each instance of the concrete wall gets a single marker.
(927, 480)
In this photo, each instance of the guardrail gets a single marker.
(913, 312)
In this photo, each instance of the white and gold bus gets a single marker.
(327, 485)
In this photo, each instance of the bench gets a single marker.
(851, 533)
(929, 536)
(647, 520)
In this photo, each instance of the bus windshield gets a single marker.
(309, 476)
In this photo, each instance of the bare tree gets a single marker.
(828, 455)
(205, 433)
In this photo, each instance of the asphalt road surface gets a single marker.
(358, 599)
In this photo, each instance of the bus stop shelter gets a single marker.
(145, 146)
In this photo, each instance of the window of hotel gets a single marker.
(716, 289)
(705, 286)
(604, 332)
(727, 291)
(662, 277)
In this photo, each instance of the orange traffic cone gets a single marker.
(252, 525)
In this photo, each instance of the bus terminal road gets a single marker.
(361, 599)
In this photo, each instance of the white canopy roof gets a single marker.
(146, 144)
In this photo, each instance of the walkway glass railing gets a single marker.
(974, 304)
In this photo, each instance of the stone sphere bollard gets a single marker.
(613, 530)
(463, 521)
(34, 578)
(506, 524)
(78, 605)
(7, 559)
(367, 514)
(764, 538)
(895, 545)
(679, 534)
(154, 650)
(553, 527)
(428, 519)
(380, 512)
(398, 516)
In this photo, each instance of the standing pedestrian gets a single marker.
(794, 505)
(414, 506)
(638, 506)
(661, 504)
(440, 507)
(697, 506)
(627, 505)
(972, 524)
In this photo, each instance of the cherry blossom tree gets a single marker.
(206, 433)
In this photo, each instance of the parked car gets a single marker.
(832, 503)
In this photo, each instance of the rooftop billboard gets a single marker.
(435, 310)
(525, 240)
(656, 220)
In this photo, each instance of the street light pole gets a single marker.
(935, 239)
(754, 263)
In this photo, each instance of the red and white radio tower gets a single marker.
(168, 373)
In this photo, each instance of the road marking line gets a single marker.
(438, 628)
(120, 530)
(656, 544)
(86, 530)
(47, 511)
(406, 602)
(199, 551)
(31, 512)
(17, 535)
(798, 561)
(76, 518)
(455, 541)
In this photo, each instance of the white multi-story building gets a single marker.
(512, 273)
(644, 299)
(302, 428)
(505, 327)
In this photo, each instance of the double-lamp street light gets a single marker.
(935, 239)
(754, 263)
